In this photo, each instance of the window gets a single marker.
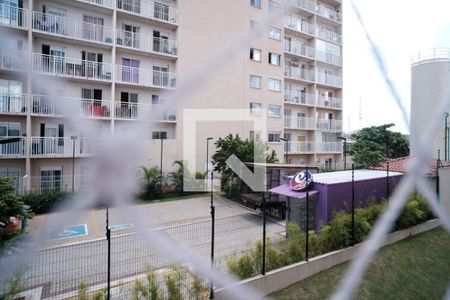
(156, 135)
(255, 135)
(255, 54)
(255, 3)
(273, 6)
(255, 108)
(255, 81)
(275, 33)
(156, 100)
(274, 111)
(11, 129)
(255, 27)
(274, 59)
(274, 85)
(51, 179)
(273, 137)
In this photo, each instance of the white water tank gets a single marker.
(430, 83)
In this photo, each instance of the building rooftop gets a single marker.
(346, 176)
(401, 165)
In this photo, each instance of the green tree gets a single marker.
(10, 204)
(152, 181)
(246, 150)
(369, 145)
(182, 175)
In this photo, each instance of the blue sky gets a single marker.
(400, 29)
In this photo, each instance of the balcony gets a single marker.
(300, 50)
(72, 29)
(59, 146)
(149, 9)
(329, 125)
(14, 149)
(307, 5)
(103, 3)
(44, 105)
(330, 102)
(13, 61)
(328, 79)
(299, 74)
(295, 147)
(12, 103)
(71, 67)
(299, 123)
(329, 35)
(141, 111)
(13, 16)
(329, 58)
(146, 43)
(299, 26)
(329, 14)
(145, 77)
(302, 99)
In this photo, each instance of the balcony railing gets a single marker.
(145, 42)
(300, 26)
(71, 67)
(59, 146)
(13, 16)
(305, 99)
(104, 3)
(330, 14)
(296, 147)
(139, 111)
(299, 123)
(12, 103)
(299, 74)
(329, 35)
(329, 58)
(15, 148)
(330, 102)
(60, 106)
(13, 60)
(149, 9)
(327, 79)
(145, 77)
(300, 50)
(329, 125)
(72, 28)
(308, 5)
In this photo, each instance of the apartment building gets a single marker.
(112, 61)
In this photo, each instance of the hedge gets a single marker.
(334, 236)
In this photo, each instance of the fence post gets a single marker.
(438, 161)
(353, 204)
(307, 224)
(387, 180)
(108, 238)
(263, 270)
(213, 212)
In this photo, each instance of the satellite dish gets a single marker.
(301, 181)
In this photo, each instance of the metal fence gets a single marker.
(60, 269)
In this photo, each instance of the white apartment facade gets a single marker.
(110, 61)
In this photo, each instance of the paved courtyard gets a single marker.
(67, 261)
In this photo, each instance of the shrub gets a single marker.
(152, 182)
(44, 202)
(314, 244)
(174, 280)
(243, 267)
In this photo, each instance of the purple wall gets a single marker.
(338, 197)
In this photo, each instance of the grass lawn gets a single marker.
(172, 197)
(415, 268)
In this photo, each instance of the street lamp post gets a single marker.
(73, 138)
(161, 162)
(286, 145)
(341, 138)
(211, 289)
(446, 156)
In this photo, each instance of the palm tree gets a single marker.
(153, 181)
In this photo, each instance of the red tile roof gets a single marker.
(401, 165)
